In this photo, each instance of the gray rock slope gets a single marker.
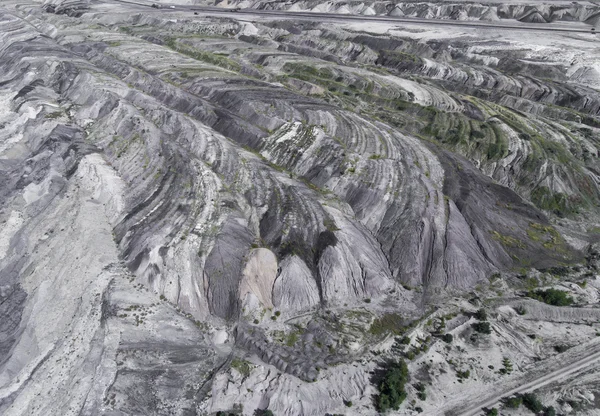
(154, 192)
(463, 11)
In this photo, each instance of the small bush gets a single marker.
(553, 297)
(242, 366)
(388, 323)
(531, 402)
(347, 403)
(521, 310)
(492, 412)
(513, 402)
(448, 338)
(482, 327)
(263, 412)
(481, 315)
(463, 374)
(507, 366)
(421, 393)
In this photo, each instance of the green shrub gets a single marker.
(492, 412)
(507, 366)
(521, 310)
(561, 348)
(263, 412)
(242, 366)
(481, 315)
(463, 374)
(388, 323)
(421, 393)
(347, 403)
(531, 402)
(513, 402)
(482, 327)
(448, 338)
(553, 297)
(391, 389)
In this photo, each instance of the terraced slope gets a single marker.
(492, 11)
(172, 184)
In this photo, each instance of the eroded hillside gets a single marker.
(207, 213)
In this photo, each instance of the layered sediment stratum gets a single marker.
(180, 191)
(487, 11)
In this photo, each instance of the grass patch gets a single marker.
(292, 338)
(54, 115)
(557, 203)
(507, 240)
(547, 235)
(390, 323)
(241, 366)
(330, 224)
(204, 56)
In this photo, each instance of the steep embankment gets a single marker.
(464, 11)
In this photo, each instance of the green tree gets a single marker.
(391, 389)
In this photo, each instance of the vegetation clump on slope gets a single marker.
(391, 389)
(551, 296)
(388, 323)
